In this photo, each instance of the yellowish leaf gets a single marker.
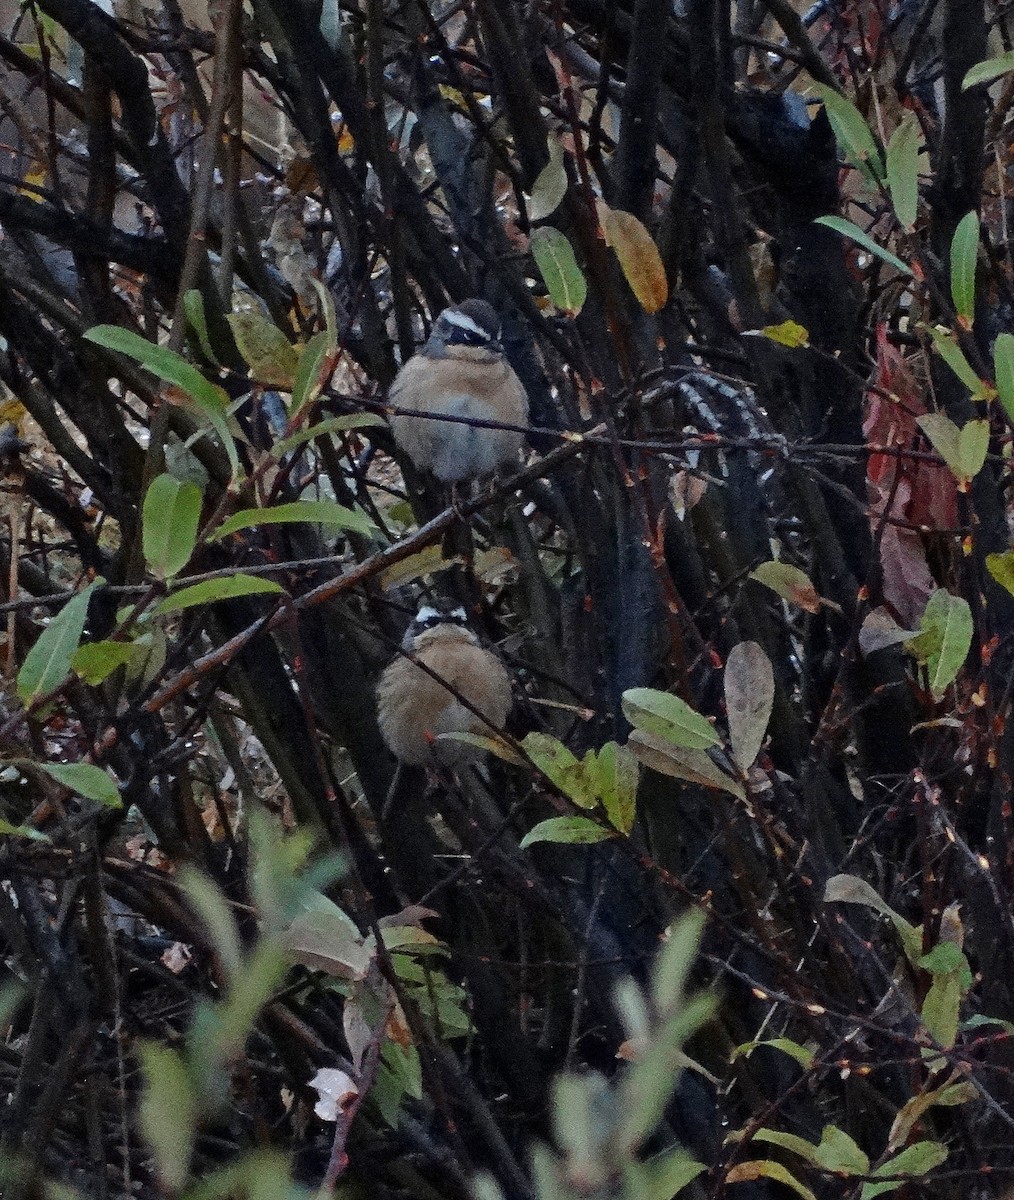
(639, 257)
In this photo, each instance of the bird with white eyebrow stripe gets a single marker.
(460, 371)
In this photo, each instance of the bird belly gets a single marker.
(462, 451)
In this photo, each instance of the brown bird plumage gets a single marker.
(413, 708)
(460, 371)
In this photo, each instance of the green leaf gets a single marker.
(265, 349)
(949, 1096)
(987, 71)
(789, 582)
(168, 1114)
(550, 185)
(85, 779)
(496, 746)
(25, 831)
(850, 889)
(903, 170)
(952, 354)
(973, 445)
(794, 1050)
(675, 960)
(668, 717)
(560, 766)
(788, 333)
(765, 1169)
(1003, 370)
(964, 255)
(211, 590)
(48, 663)
(212, 400)
(577, 831)
(839, 1153)
(963, 450)
(1001, 567)
(169, 521)
(554, 256)
(210, 904)
(193, 310)
(849, 230)
(944, 958)
(644, 1091)
(317, 512)
(941, 1007)
(853, 135)
(789, 1141)
(617, 774)
(309, 373)
(96, 661)
(661, 1177)
(914, 1160)
(333, 425)
(945, 637)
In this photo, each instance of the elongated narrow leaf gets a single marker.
(318, 512)
(849, 230)
(853, 135)
(211, 590)
(169, 520)
(212, 400)
(161, 361)
(193, 308)
(749, 696)
(952, 354)
(668, 717)
(168, 1114)
(794, 1050)
(680, 762)
(554, 256)
(309, 378)
(48, 663)
(986, 72)
(333, 425)
(765, 1169)
(850, 889)
(903, 171)
(24, 831)
(577, 831)
(86, 780)
(964, 255)
(1003, 370)
(638, 256)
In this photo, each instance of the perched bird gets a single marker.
(413, 708)
(460, 371)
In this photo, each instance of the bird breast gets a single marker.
(413, 708)
(485, 389)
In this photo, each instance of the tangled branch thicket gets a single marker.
(751, 583)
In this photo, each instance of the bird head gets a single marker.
(474, 324)
(438, 622)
